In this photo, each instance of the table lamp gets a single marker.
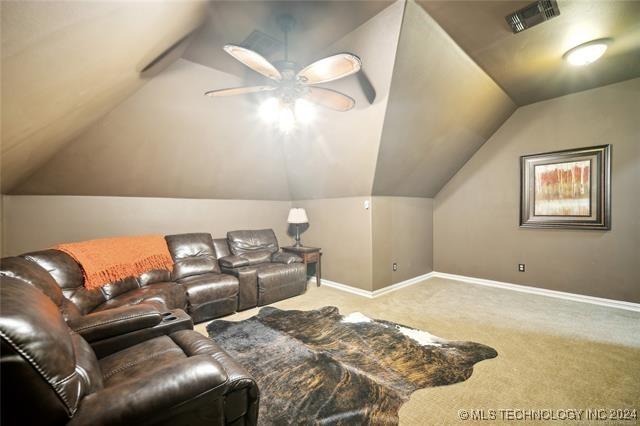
(297, 217)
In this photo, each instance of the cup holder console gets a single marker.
(174, 317)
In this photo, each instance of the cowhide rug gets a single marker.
(319, 367)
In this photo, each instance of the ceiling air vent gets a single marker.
(262, 43)
(533, 14)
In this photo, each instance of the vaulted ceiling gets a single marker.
(79, 117)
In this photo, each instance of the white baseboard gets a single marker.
(376, 293)
(402, 284)
(347, 288)
(619, 304)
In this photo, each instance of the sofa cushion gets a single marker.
(60, 265)
(233, 261)
(68, 275)
(32, 274)
(192, 254)
(274, 274)
(221, 247)
(154, 276)
(277, 281)
(139, 360)
(209, 287)
(165, 296)
(257, 257)
(241, 242)
(114, 289)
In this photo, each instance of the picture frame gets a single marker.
(569, 189)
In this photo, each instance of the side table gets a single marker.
(308, 255)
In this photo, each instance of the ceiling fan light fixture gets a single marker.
(587, 53)
(286, 119)
(295, 94)
(269, 110)
(304, 110)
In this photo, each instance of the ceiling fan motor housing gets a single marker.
(288, 69)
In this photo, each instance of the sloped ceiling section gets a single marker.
(442, 108)
(336, 157)
(317, 25)
(65, 64)
(529, 65)
(168, 140)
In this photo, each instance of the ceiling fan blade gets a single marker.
(330, 99)
(239, 91)
(367, 87)
(330, 68)
(253, 60)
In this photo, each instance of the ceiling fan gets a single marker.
(294, 87)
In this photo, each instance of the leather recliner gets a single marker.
(265, 273)
(210, 294)
(52, 376)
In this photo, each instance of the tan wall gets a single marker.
(402, 233)
(342, 228)
(37, 222)
(1, 225)
(476, 214)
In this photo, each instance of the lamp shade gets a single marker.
(297, 216)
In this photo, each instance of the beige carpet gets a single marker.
(552, 354)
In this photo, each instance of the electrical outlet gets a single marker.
(395, 266)
(521, 267)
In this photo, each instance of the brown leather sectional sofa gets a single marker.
(127, 353)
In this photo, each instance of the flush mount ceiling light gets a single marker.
(587, 53)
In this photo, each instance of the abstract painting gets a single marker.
(566, 189)
(563, 189)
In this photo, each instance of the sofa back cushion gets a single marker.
(257, 257)
(60, 266)
(154, 276)
(68, 275)
(193, 254)
(241, 242)
(32, 274)
(38, 358)
(221, 247)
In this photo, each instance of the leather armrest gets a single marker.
(114, 322)
(286, 258)
(233, 261)
(172, 321)
(156, 396)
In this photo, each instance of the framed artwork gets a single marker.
(568, 189)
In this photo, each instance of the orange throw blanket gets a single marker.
(112, 259)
